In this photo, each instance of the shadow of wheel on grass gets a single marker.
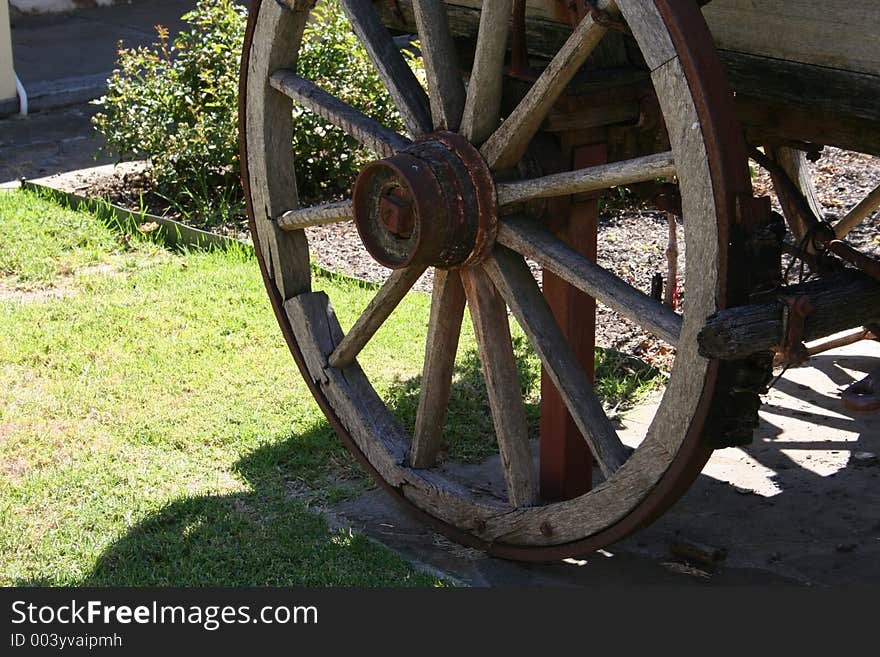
(273, 534)
(266, 537)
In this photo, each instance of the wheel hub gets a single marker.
(432, 203)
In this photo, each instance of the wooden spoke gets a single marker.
(511, 276)
(508, 144)
(408, 95)
(447, 310)
(378, 310)
(858, 214)
(489, 315)
(445, 83)
(330, 213)
(534, 242)
(626, 172)
(383, 141)
(482, 106)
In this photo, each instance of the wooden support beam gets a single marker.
(839, 303)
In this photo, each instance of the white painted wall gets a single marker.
(7, 81)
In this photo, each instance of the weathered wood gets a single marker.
(692, 375)
(626, 172)
(350, 400)
(612, 500)
(834, 92)
(489, 316)
(377, 311)
(794, 164)
(839, 303)
(319, 215)
(383, 141)
(268, 129)
(829, 33)
(444, 328)
(445, 83)
(508, 143)
(769, 122)
(671, 262)
(373, 428)
(513, 279)
(532, 241)
(858, 214)
(483, 103)
(842, 339)
(408, 95)
(355, 403)
(650, 31)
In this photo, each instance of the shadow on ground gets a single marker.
(266, 537)
(788, 511)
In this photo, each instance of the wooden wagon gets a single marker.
(533, 109)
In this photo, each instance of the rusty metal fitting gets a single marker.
(432, 203)
(395, 213)
(796, 310)
(606, 19)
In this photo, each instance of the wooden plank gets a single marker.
(377, 311)
(375, 432)
(769, 122)
(383, 141)
(839, 304)
(511, 276)
(320, 215)
(858, 214)
(625, 172)
(650, 31)
(794, 163)
(406, 91)
(835, 92)
(489, 316)
(445, 83)
(483, 103)
(831, 33)
(508, 143)
(615, 498)
(268, 130)
(444, 328)
(532, 241)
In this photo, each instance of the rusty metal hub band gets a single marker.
(430, 204)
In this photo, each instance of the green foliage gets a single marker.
(176, 101)
(327, 160)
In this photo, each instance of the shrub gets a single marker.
(175, 103)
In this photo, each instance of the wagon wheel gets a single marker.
(408, 212)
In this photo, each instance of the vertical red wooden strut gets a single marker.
(566, 461)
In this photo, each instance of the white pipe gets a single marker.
(22, 96)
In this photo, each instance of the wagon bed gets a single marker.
(803, 69)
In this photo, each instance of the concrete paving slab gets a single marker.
(66, 58)
(47, 143)
(800, 506)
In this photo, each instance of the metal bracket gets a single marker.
(605, 19)
(795, 312)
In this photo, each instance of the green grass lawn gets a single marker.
(154, 429)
